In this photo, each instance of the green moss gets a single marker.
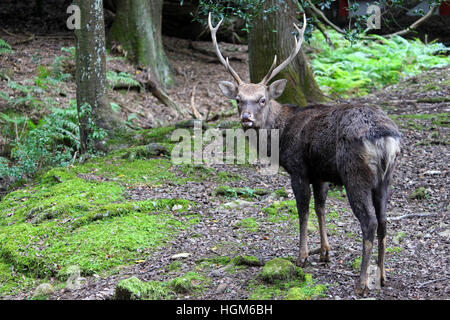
(189, 283)
(281, 193)
(420, 193)
(280, 269)
(135, 289)
(80, 216)
(298, 288)
(247, 261)
(174, 266)
(249, 224)
(356, 264)
(305, 293)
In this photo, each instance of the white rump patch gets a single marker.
(380, 154)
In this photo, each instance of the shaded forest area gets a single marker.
(120, 220)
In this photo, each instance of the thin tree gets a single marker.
(92, 103)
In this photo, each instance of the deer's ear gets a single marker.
(277, 88)
(228, 89)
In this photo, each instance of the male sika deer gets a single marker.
(351, 145)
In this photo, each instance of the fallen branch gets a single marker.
(159, 94)
(413, 215)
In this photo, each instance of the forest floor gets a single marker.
(264, 226)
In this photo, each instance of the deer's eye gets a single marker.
(262, 100)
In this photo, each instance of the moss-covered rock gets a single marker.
(42, 290)
(280, 269)
(247, 261)
(135, 289)
(187, 283)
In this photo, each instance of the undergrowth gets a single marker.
(357, 68)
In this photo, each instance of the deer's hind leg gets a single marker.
(360, 200)
(302, 194)
(320, 195)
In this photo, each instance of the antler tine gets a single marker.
(298, 44)
(266, 78)
(218, 53)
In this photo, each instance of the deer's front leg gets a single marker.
(302, 194)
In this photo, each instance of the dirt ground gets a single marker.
(418, 262)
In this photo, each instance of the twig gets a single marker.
(413, 215)
(195, 112)
(431, 281)
(338, 272)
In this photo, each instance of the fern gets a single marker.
(5, 48)
(357, 68)
(121, 80)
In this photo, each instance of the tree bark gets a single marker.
(137, 27)
(91, 73)
(272, 35)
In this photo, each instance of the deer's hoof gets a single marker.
(301, 262)
(324, 257)
(361, 289)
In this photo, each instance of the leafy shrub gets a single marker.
(357, 68)
(51, 143)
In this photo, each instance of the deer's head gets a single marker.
(254, 99)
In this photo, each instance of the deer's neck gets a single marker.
(278, 116)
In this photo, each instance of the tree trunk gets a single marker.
(137, 27)
(92, 102)
(272, 35)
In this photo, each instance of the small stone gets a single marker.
(177, 207)
(222, 288)
(181, 255)
(445, 234)
(43, 289)
(432, 172)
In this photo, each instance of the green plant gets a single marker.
(357, 68)
(122, 80)
(5, 48)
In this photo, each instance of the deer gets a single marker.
(348, 145)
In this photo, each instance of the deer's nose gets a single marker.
(247, 116)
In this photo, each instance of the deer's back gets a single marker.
(317, 138)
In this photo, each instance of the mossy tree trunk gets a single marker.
(92, 102)
(137, 28)
(272, 35)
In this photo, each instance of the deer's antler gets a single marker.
(219, 55)
(298, 44)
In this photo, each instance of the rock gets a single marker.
(237, 204)
(280, 269)
(432, 172)
(177, 207)
(43, 289)
(247, 260)
(181, 255)
(445, 233)
(222, 288)
(135, 289)
(74, 280)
